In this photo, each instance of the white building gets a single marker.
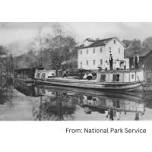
(95, 54)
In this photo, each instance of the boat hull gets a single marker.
(132, 86)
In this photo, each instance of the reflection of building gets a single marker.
(46, 92)
(103, 53)
(113, 103)
(89, 100)
(113, 108)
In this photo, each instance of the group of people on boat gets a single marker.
(90, 75)
(112, 64)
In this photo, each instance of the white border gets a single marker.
(51, 136)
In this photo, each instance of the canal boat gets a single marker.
(112, 80)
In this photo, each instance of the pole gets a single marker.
(40, 42)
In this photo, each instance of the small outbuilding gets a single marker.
(141, 59)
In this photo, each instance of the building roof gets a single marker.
(101, 42)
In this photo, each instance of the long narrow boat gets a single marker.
(88, 84)
(119, 80)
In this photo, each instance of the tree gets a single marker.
(126, 43)
(135, 45)
(50, 50)
(147, 43)
(60, 46)
(27, 60)
(56, 59)
(63, 50)
(3, 50)
(134, 48)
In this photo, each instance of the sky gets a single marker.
(18, 35)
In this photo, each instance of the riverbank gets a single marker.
(18, 106)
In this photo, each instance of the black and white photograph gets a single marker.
(75, 71)
(75, 76)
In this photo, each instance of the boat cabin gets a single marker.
(120, 76)
(45, 74)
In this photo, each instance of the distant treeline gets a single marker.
(137, 46)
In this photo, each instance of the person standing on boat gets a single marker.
(65, 74)
(111, 62)
(85, 76)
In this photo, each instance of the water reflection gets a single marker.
(75, 104)
(6, 91)
(55, 106)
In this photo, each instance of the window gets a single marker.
(80, 64)
(43, 76)
(87, 51)
(110, 49)
(94, 62)
(87, 62)
(115, 77)
(94, 50)
(101, 50)
(80, 51)
(101, 61)
(102, 78)
(132, 76)
(114, 41)
(38, 75)
(51, 76)
(119, 50)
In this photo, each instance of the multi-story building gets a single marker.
(94, 54)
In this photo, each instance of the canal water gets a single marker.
(29, 102)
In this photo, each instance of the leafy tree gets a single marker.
(147, 43)
(127, 43)
(49, 50)
(3, 50)
(26, 60)
(60, 47)
(134, 48)
(135, 45)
